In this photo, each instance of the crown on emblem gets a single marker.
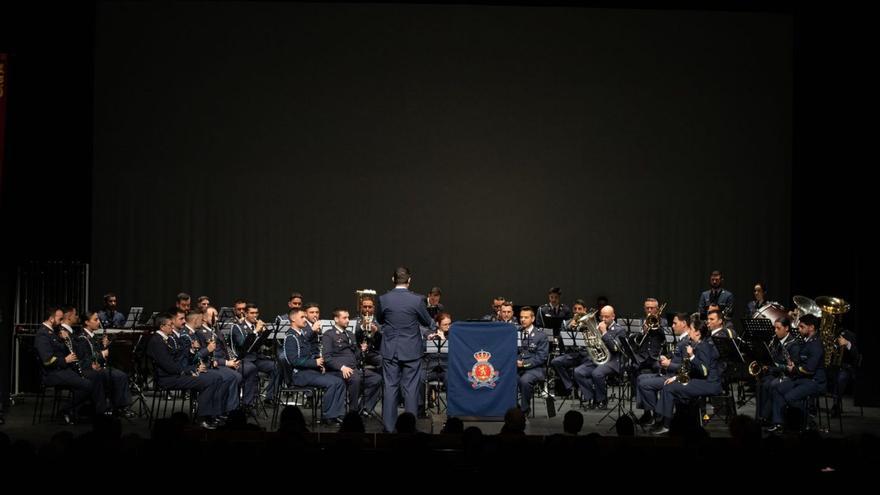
(482, 356)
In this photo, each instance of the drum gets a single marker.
(771, 311)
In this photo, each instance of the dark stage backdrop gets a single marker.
(251, 149)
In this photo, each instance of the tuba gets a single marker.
(597, 349)
(833, 308)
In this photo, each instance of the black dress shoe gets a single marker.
(68, 419)
(589, 404)
(208, 424)
(775, 429)
(366, 413)
(647, 418)
(603, 404)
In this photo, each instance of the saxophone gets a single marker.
(683, 375)
(597, 349)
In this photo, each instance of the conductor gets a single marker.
(400, 312)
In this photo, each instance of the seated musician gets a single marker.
(212, 351)
(532, 362)
(243, 337)
(61, 366)
(806, 372)
(505, 314)
(698, 376)
(368, 336)
(649, 385)
(781, 346)
(343, 358)
(166, 352)
(436, 363)
(495, 315)
(94, 354)
(565, 364)
(841, 374)
(650, 343)
(592, 377)
(305, 367)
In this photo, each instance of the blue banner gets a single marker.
(482, 379)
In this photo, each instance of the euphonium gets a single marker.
(597, 349)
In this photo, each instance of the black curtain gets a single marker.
(247, 150)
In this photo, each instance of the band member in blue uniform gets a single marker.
(806, 371)
(532, 362)
(60, 365)
(566, 363)
(649, 385)
(342, 356)
(243, 337)
(165, 352)
(715, 294)
(650, 343)
(698, 377)
(94, 354)
(306, 366)
(553, 308)
(592, 379)
(400, 312)
(110, 317)
(782, 346)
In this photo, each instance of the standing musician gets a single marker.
(698, 376)
(306, 367)
(565, 364)
(715, 294)
(806, 371)
(592, 378)
(94, 353)
(532, 362)
(554, 308)
(341, 358)
(61, 366)
(648, 386)
(243, 337)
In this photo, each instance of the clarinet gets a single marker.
(75, 365)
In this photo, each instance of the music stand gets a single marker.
(435, 349)
(151, 321)
(728, 350)
(757, 329)
(134, 314)
(627, 350)
(553, 323)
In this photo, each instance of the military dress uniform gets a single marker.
(534, 350)
(592, 379)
